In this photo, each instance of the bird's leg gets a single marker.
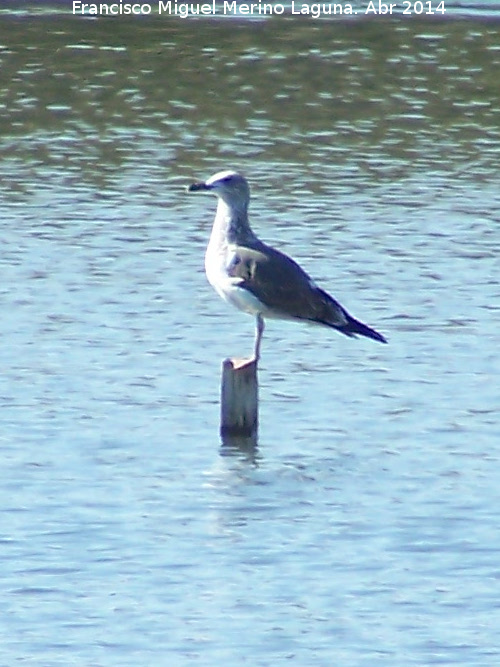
(259, 330)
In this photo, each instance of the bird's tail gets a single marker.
(355, 328)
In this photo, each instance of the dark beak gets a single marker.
(196, 187)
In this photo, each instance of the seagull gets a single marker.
(259, 279)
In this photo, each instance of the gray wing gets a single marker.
(281, 285)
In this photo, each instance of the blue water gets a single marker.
(364, 529)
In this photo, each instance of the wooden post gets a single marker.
(239, 398)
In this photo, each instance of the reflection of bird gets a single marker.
(259, 279)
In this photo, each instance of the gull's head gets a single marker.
(229, 186)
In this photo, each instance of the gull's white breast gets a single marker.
(217, 260)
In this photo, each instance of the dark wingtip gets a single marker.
(358, 328)
(380, 338)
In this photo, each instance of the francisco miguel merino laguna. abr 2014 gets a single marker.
(260, 8)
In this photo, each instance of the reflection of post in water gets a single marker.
(239, 404)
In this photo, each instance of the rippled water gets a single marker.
(364, 529)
